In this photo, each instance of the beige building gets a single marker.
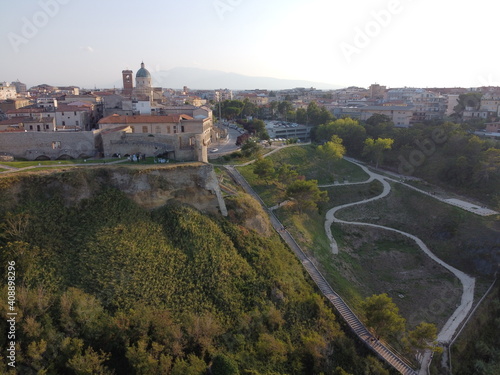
(179, 137)
(28, 124)
(491, 103)
(401, 115)
(12, 104)
(7, 91)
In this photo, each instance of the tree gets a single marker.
(223, 365)
(469, 100)
(89, 363)
(375, 148)
(351, 132)
(306, 194)
(383, 315)
(423, 337)
(249, 108)
(379, 126)
(489, 167)
(332, 150)
(250, 148)
(301, 116)
(286, 174)
(313, 114)
(284, 107)
(264, 168)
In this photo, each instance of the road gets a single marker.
(224, 146)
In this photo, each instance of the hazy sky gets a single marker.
(396, 43)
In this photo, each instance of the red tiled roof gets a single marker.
(15, 120)
(25, 110)
(140, 119)
(12, 131)
(71, 108)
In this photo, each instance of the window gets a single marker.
(62, 113)
(74, 113)
(175, 129)
(168, 129)
(158, 129)
(64, 123)
(77, 123)
(46, 126)
(144, 129)
(31, 127)
(182, 129)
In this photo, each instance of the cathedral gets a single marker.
(143, 89)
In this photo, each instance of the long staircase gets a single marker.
(382, 349)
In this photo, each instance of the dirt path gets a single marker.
(468, 283)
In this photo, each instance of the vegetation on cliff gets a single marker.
(105, 286)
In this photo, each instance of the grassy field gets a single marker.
(24, 164)
(306, 162)
(467, 241)
(238, 160)
(375, 261)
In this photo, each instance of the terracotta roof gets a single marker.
(25, 110)
(140, 119)
(14, 121)
(23, 119)
(12, 131)
(71, 108)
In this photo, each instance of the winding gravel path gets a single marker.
(468, 283)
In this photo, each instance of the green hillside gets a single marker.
(105, 286)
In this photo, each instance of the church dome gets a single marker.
(143, 72)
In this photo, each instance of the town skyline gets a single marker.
(335, 43)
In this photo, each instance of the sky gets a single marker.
(397, 43)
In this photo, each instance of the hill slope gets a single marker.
(104, 284)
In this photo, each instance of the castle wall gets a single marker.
(52, 145)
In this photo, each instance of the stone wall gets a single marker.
(51, 145)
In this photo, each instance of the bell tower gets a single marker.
(128, 82)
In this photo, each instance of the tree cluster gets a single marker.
(443, 154)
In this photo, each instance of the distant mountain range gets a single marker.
(203, 79)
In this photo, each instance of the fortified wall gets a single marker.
(48, 145)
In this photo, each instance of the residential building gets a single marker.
(7, 91)
(401, 115)
(377, 91)
(179, 136)
(493, 127)
(491, 102)
(12, 104)
(21, 88)
(31, 124)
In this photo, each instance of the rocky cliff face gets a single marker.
(151, 187)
